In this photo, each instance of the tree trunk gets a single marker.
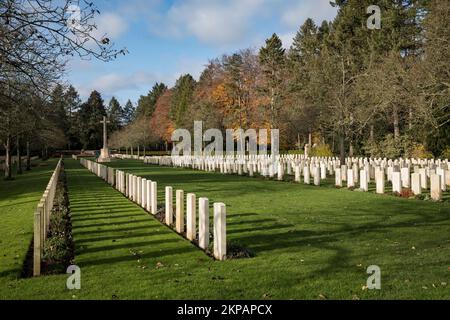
(28, 156)
(139, 151)
(396, 122)
(371, 132)
(19, 157)
(410, 119)
(8, 158)
(144, 151)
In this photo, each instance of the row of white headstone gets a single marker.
(432, 174)
(42, 218)
(144, 192)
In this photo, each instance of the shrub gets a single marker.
(446, 153)
(418, 151)
(321, 150)
(296, 152)
(391, 147)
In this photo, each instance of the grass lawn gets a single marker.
(18, 201)
(310, 243)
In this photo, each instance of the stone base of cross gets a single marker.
(104, 155)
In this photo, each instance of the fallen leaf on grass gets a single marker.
(323, 297)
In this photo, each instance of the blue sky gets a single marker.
(167, 38)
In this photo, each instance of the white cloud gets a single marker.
(213, 22)
(295, 14)
(235, 22)
(113, 83)
(287, 39)
(110, 24)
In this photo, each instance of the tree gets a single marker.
(160, 123)
(182, 98)
(272, 60)
(59, 106)
(146, 104)
(434, 71)
(115, 114)
(72, 103)
(91, 113)
(128, 113)
(36, 36)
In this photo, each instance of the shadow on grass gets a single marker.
(367, 214)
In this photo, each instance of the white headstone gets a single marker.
(191, 216)
(154, 197)
(306, 177)
(317, 176)
(380, 180)
(179, 219)
(220, 236)
(435, 187)
(405, 177)
(297, 174)
(396, 182)
(203, 223)
(416, 186)
(350, 180)
(363, 183)
(169, 206)
(144, 193)
(338, 178)
(423, 178)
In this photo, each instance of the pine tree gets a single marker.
(272, 60)
(182, 98)
(115, 113)
(129, 114)
(146, 104)
(91, 113)
(72, 104)
(58, 105)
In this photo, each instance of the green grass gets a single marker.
(309, 242)
(18, 201)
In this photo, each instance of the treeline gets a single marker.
(341, 87)
(79, 123)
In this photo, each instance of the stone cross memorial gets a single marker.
(104, 153)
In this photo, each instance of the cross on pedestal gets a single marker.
(105, 137)
(104, 154)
